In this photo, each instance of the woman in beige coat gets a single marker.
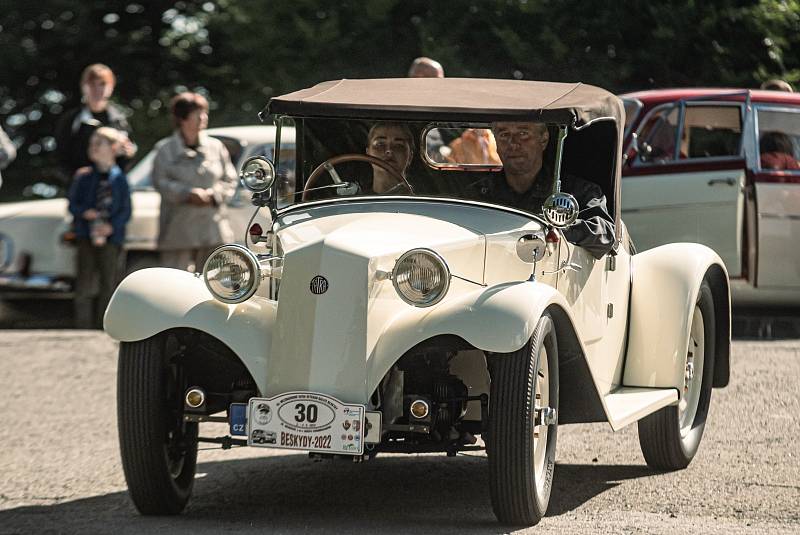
(195, 176)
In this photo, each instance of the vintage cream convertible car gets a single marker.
(433, 319)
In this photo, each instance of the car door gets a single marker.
(776, 193)
(685, 181)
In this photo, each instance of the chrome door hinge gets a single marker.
(611, 263)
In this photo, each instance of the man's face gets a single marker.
(391, 144)
(521, 146)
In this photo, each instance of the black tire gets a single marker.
(520, 489)
(670, 437)
(158, 449)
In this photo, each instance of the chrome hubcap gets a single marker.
(544, 417)
(693, 373)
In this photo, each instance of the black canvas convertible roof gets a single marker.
(465, 99)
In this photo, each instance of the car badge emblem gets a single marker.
(319, 285)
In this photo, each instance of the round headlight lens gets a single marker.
(421, 277)
(232, 273)
(257, 174)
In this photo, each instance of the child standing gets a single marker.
(100, 202)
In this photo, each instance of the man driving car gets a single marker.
(528, 181)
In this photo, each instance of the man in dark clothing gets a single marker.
(76, 126)
(527, 182)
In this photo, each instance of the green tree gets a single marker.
(241, 52)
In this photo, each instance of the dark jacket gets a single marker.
(83, 196)
(73, 131)
(594, 228)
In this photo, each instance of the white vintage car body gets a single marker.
(622, 322)
(35, 262)
(719, 190)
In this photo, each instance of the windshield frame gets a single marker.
(277, 205)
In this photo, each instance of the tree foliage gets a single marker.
(241, 52)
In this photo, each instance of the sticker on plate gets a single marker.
(306, 421)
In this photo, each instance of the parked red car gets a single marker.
(719, 167)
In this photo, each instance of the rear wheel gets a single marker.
(670, 437)
(521, 445)
(159, 449)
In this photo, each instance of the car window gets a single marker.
(779, 139)
(632, 108)
(707, 131)
(658, 137)
(461, 146)
(711, 131)
(234, 147)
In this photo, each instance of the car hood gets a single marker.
(380, 238)
(356, 306)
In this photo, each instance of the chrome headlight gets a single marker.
(232, 273)
(421, 277)
(258, 174)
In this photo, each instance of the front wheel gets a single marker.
(159, 449)
(670, 437)
(521, 445)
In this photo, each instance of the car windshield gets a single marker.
(336, 158)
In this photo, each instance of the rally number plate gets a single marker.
(306, 421)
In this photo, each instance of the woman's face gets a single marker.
(194, 123)
(391, 144)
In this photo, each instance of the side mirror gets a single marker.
(258, 174)
(560, 209)
(531, 247)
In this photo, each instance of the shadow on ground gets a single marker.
(292, 494)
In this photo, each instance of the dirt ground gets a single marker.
(60, 470)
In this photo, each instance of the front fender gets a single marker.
(665, 282)
(141, 308)
(497, 319)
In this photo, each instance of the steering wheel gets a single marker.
(328, 164)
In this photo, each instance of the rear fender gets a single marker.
(664, 289)
(141, 308)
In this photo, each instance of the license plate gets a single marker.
(306, 421)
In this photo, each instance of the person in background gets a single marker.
(100, 202)
(778, 85)
(7, 152)
(76, 126)
(423, 67)
(474, 146)
(195, 177)
(777, 152)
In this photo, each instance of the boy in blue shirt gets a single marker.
(100, 202)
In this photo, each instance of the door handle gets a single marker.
(729, 181)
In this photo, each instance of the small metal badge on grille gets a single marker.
(560, 209)
(319, 285)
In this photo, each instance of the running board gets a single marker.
(627, 404)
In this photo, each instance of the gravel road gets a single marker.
(60, 470)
